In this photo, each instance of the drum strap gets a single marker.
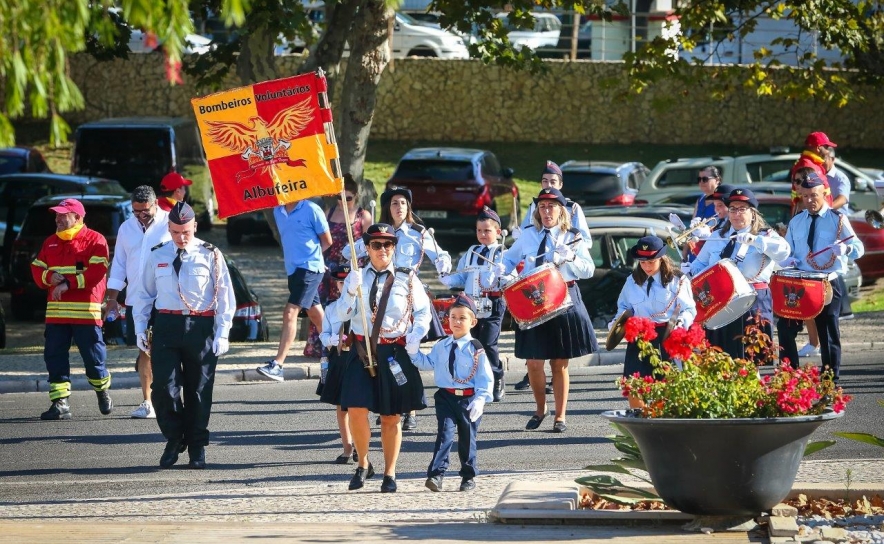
(379, 315)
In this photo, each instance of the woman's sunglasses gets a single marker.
(377, 246)
(349, 199)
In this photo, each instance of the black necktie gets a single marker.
(650, 281)
(451, 358)
(176, 264)
(729, 249)
(541, 249)
(373, 293)
(812, 231)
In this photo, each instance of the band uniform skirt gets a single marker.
(565, 336)
(330, 391)
(381, 394)
(635, 363)
(730, 337)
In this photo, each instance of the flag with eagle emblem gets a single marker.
(270, 143)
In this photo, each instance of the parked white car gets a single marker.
(547, 28)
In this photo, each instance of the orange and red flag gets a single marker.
(269, 143)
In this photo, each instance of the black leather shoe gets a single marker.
(409, 423)
(467, 484)
(434, 483)
(362, 474)
(499, 390)
(105, 404)
(535, 421)
(197, 457)
(523, 384)
(388, 485)
(60, 409)
(170, 454)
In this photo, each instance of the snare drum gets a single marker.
(537, 296)
(441, 305)
(798, 294)
(722, 295)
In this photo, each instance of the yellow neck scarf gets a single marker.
(69, 234)
(171, 200)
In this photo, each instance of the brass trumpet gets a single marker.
(683, 237)
(875, 219)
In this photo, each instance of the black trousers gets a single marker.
(827, 327)
(182, 358)
(487, 331)
(453, 418)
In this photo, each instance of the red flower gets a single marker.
(678, 344)
(639, 327)
(743, 372)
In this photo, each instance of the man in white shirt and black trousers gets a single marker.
(188, 282)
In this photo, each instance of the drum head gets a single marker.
(615, 335)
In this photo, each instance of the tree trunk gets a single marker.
(369, 56)
(327, 52)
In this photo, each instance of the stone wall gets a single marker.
(434, 100)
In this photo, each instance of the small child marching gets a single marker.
(464, 377)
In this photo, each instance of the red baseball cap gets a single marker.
(816, 139)
(70, 205)
(173, 180)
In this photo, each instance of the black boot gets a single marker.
(523, 384)
(105, 403)
(60, 409)
(197, 457)
(499, 390)
(358, 479)
(170, 454)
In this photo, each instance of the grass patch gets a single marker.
(870, 301)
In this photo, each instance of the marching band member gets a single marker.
(718, 199)
(818, 228)
(478, 283)
(552, 240)
(655, 291)
(755, 248)
(399, 316)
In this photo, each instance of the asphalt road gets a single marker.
(268, 434)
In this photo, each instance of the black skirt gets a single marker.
(635, 363)
(330, 391)
(381, 394)
(730, 337)
(565, 336)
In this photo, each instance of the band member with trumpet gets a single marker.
(822, 240)
(400, 316)
(552, 240)
(475, 275)
(703, 227)
(654, 290)
(755, 248)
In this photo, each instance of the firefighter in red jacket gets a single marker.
(72, 267)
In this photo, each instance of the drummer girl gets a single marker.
(655, 291)
(551, 240)
(395, 299)
(755, 248)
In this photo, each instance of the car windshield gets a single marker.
(11, 165)
(104, 188)
(132, 157)
(775, 213)
(436, 170)
(774, 170)
(591, 181)
(682, 177)
(40, 222)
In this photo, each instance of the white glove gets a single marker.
(413, 338)
(220, 346)
(565, 252)
(352, 281)
(702, 233)
(476, 407)
(745, 238)
(443, 265)
(789, 262)
(412, 349)
(517, 231)
(446, 281)
(331, 341)
(841, 249)
(611, 323)
(141, 341)
(498, 269)
(695, 221)
(686, 269)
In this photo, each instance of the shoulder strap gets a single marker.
(379, 316)
(158, 246)
(418, 228)
(478, 345)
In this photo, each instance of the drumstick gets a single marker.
(827, 248)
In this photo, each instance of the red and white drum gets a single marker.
(722, 295)
(537, 296)
(441, 305)
(798, 294)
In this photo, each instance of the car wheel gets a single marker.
(22, 308)
(234, 237)
(421, 52)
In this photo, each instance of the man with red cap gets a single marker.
(173, 189)
(72, 267)
(813, 157)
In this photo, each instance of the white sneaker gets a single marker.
(809, 351)
(144, 411)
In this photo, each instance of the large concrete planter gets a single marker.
(722, 467)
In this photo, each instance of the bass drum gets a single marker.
(537, 296)
(722, 295)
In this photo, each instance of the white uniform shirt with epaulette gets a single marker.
(202, 265)
(474, 274)
(471, 367)
(661, 302)
(831, 226)
(525, 248)
(408, 308)
(413, 243)
(760, 258)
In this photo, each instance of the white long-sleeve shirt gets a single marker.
(133, 243)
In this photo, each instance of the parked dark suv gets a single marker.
(451, 185)
(141, 150)
(598, 183)
(14, 160)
